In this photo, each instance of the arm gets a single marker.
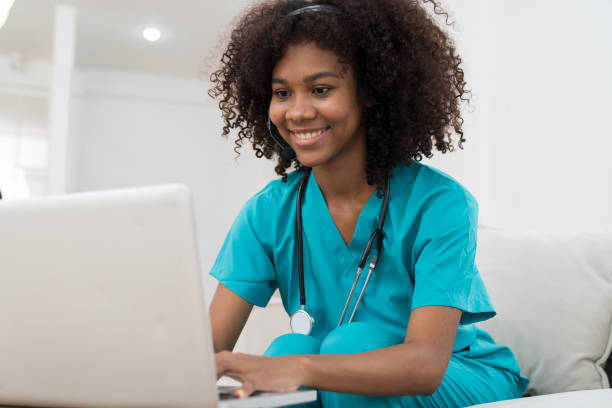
(228, 315)
(415, 367)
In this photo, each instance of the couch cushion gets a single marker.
(553, 295)
(590, 399)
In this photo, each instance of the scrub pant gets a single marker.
(466, 382)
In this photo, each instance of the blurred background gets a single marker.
(88, 103)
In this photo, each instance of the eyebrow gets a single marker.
(309, 78)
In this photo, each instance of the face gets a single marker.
(315, 107)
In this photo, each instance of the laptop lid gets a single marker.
(101, 301)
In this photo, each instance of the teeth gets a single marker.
(308, 135)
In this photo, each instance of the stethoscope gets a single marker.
(301, 322)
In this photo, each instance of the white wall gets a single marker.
(539, 134)
(552, 167)
(23, 126)
(30, 78)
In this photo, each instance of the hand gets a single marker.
(256, 373)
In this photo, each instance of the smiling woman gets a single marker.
(353, 94)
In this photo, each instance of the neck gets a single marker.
(344, 182)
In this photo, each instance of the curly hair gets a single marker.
(406, 67)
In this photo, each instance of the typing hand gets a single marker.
(258, 373)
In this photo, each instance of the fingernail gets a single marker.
(240, 393)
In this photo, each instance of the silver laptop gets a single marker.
(101, 304)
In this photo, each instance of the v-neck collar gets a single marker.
(319, 224)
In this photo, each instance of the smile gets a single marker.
(306, 138)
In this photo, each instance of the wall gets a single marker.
(23, 126)
(549, 161)
(538, 134)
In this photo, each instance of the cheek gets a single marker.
(276, 114)
(332, 111)
(342, 110)
(346, 118)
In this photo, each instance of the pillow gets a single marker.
(553, 296)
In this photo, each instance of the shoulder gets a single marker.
(274, 196)
(423, 177)
(432, 192)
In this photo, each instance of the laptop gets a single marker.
(101, 304)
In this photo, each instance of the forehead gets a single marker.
(300, 60)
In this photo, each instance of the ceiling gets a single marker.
(109, 33)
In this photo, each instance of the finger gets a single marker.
(234, 376)
(244, 391)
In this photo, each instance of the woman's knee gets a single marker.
(468, 382)
(293, 343)
(338, 400)
(356, 338)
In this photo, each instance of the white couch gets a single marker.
(553, 295)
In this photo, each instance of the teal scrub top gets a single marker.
(427, 259)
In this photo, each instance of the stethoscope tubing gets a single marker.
(299, 236)
(376, 235)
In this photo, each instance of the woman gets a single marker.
(353, 93)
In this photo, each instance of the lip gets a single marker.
(308, 142)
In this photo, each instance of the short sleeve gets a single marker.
(445, 269)
(245, 262)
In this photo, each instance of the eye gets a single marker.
(321, 90)
(281, 93)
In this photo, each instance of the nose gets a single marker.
(300, 108)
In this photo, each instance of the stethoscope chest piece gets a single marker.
(301, 322)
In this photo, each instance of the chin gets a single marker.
(309, 160)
